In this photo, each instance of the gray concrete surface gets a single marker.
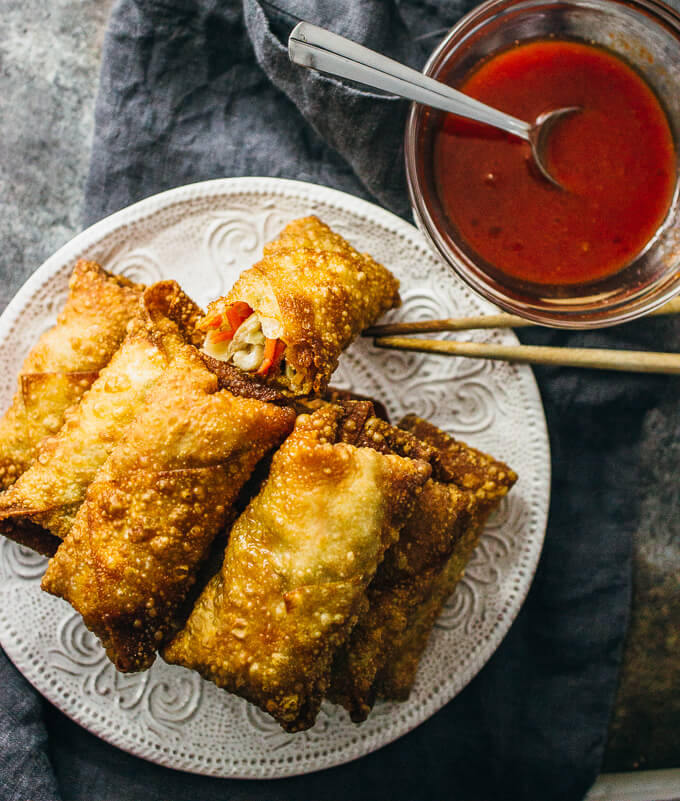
(49, 62)
(645, 728)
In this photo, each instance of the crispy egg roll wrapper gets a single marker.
(461, 464)
(313, 234)
(156, 505)
(296, 568)
(486, 481)
(446, 519)
(64, 362)
(316, 299)
(400, 669)
(51, 491)
(30, 535)
(354, 405)
(242, 384)
(439, 517)
(340, 397)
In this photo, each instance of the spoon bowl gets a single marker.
(539, 138)
(319, 49)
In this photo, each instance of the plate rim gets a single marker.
(147, 207)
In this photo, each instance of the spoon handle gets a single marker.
(319, 49)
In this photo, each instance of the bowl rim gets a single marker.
(574, 314)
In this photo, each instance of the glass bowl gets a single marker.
(646, 35)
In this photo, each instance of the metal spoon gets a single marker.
(319, 49)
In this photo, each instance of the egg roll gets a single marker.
(156, 505)
(64, 362)
(398, 675)
(313, 234)
(51, 491)
(348, 400)
(485, 481)
(297, 565)
(286, 320)
(440, 514)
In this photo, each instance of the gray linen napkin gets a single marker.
(197, 89)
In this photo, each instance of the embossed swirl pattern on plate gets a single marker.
(202, 236)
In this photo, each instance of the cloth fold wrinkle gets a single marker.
(332, 107)
(25, 768)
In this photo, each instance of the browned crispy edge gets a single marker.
(30, 535)
(239, 383)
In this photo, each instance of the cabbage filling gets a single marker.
(244, 344)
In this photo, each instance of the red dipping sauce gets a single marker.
(615, 158)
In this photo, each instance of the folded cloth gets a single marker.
(197, 89)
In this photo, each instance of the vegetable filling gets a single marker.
(235, 336)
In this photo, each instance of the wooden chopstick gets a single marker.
(486, 321)
(635, 361)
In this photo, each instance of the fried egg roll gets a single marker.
(286, 320)
(51, 491)
(64, 362)
(446, 519)
(399, 672)
(156, 505)
(485, 481)
(296, 569)
(312, 234)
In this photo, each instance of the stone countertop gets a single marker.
(49, 65)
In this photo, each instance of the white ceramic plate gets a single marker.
(203, 235)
